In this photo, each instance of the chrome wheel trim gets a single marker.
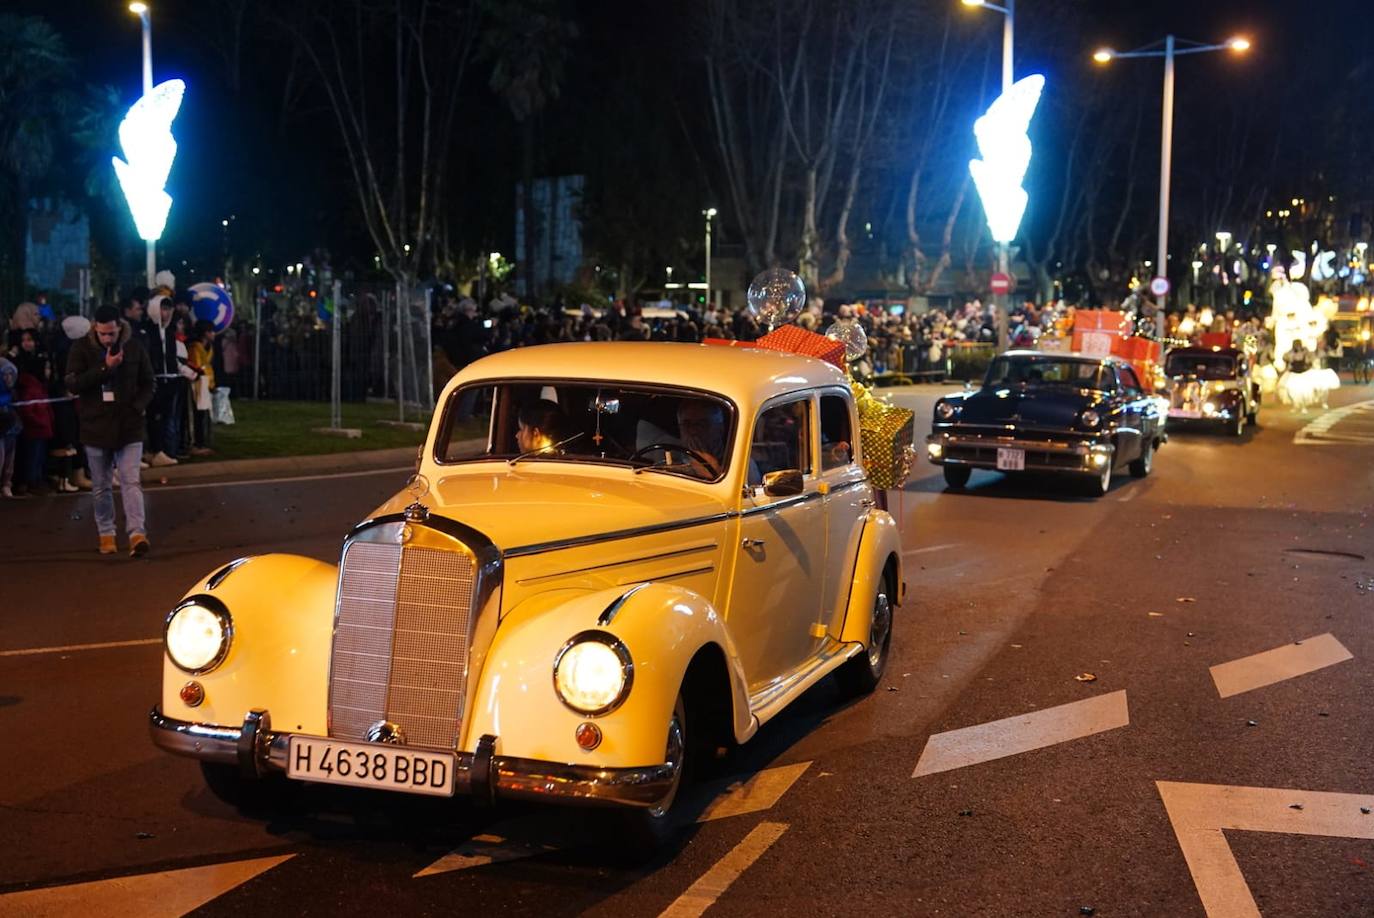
(1147, 459)
(879, 630)
(1104, 480)
(673, 756)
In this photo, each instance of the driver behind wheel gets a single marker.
(701, 428)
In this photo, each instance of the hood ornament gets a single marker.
(417, 487)
(384, 731)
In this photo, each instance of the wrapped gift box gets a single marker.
(1106, 320)
(887, 434)
(796, 340)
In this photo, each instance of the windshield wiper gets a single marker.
(544, 449)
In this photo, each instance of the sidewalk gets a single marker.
(400, 457)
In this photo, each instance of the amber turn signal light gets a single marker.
(192, 694)
(588, 736)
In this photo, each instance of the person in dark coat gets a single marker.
(112, 377)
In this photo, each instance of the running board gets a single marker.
(777, 694)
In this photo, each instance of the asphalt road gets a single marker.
(1131, 793)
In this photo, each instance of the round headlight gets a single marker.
(592, 673)
(1090, 418)
(198, 634)
(945, 411)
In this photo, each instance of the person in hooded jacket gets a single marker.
(35, 414)
(112, 378)
(9, 426)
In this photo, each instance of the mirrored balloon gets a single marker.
(777, 296)
(852, 336)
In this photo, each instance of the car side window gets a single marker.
(1130, 384)
(781, 435)
(837, 445)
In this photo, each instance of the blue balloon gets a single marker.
(211, 302)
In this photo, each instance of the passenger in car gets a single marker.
(542, 424)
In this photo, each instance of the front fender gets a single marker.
(282, 609)
(662, 625)
(880, 544)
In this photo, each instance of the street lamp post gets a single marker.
(1003, 249)
(710, 214)
(1171, 49)
(141, 10)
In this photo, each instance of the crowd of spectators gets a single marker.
(40, 438)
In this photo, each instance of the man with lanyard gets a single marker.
(112, 378)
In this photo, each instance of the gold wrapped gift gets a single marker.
(888, 436)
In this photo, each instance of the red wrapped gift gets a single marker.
(796, 340)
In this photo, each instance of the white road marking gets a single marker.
(151, 487)
(1276, 665)
(1201, 812)
(73, 648)
(482, 850)
(1023, 733)
(1317, 433)
(930, 548)
(171, 893)
(1128, 494)
(758, 793)
(703, 894)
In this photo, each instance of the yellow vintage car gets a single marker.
(614, 558)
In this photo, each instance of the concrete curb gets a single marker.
(283, 466)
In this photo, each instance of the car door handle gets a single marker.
(747, 543)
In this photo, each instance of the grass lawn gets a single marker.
(276, 428)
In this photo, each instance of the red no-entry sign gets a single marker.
(1000, 283)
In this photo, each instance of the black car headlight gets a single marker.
(198, 633)
(945, 411)
(593, 673)
(1090, 419)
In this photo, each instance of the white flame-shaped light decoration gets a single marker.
(1006, 150)
(145, 135)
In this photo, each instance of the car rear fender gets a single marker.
(879, 546)
(662, 625)
(282, 610)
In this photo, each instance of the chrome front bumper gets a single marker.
(980, 452)
(482, 774)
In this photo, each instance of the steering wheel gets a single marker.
(705, 461)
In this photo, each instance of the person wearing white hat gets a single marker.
(164, 414)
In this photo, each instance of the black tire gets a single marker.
(251, 795)
(861, 675)
(1140, 467)
(956, 476)
(1237, 426)
(642, 830)
(1098, 483)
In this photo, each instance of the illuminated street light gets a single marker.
(1172, 48)
(710, 214)
(1223, 241)
(1008, 45)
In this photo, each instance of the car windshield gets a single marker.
(1039, 370)
(1202, 366)
(676, 431)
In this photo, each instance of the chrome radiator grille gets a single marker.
(401, 642)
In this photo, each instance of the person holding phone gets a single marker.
(112, 377)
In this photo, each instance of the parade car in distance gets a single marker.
(1082, 417)
(613, 557)
(1211, 385)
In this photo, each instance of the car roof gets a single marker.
(747, 376)
(1062, 355)
(1200, 349)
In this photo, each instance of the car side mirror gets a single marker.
(783, 483)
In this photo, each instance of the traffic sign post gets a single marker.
(1000, 283)
(1159, 286)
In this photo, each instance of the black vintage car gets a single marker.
(1084, 417)
(1211, 385)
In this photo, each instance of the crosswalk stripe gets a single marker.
(1287, 662)
(758, 793)
(703, 894)
(734, 798)
(73, 648)
(1023, 733)
(168, 894)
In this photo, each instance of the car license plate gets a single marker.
(374, 765)
(1184, 413)
(1011, 460)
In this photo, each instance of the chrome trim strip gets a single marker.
(780, 504)
(218, 576)
(856, 483)
(512, 777)
(610, 611)
(697, 548)
(541, 547)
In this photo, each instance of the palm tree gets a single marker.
(35, 71)
(527, 44)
